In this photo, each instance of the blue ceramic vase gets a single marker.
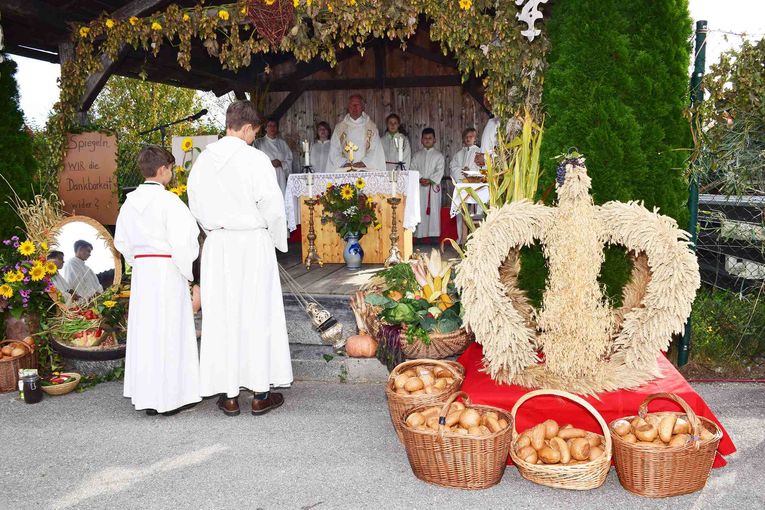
(353, 254)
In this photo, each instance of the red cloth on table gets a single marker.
(448, 225)
(612, 405)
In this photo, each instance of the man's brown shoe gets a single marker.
(229, 406)
(273, 401)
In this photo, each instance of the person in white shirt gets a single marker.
(320, 148)
(81, 278)
(430, 164)
(389, 138)
(234, 196)
(277, 151)
(464, 161)
(157, 235)
(62, 286)
(359, 129)
(488, 137)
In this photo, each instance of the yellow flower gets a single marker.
(244, 10)
(27, 248)
(308, 2)
(175, 190)
(346, 192)
(10, 277)
(329, 185)
(37, 272)
(369, 202)
(223, 14)
(187, 144)
(6, 291)
(295, 3)
(330, 8)
(19, 276)
(360, 183)
(351, 2)
(179, 169)
(155, 25)
(50, 267)
(133, 20)
(110, 304)
(378, 225)
(109, 23)
(44, 246)
(270, 2)
(181, 189)
(186, 17)
(466, 4)
(84, 31)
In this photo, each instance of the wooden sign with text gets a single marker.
(88, 184)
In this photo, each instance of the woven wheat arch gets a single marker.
(576, 341)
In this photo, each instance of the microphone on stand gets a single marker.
(201, 113)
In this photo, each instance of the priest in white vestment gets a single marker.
(430, 164)
(356, 128)
(81, 278)
(277, 151)
(462, 162)
(157, 235)
(320, 148)
(395, 143)
(234, 195)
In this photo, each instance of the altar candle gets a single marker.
(306, 151)
(394, 175)
(309, 178)
(400, 146)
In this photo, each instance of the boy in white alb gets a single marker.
(430, 164)
(464, 161)
(157, 235)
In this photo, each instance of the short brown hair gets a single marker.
(240, 113)
(152, 158)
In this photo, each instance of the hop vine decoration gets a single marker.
(576, 340)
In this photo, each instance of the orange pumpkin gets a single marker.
(361, 346)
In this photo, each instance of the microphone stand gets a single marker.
(162, 128)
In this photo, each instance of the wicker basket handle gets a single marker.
(403, 366)
(569, 396)
(29, 348)
(449, 401)
(692, 418)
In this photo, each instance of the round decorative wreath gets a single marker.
(576, 341)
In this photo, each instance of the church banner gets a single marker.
(88, 182)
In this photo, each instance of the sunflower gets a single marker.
(176, 191)
(223, 14)
(181, 189)
(6, 291)
(155, 25)
(346, 192)
(50, 267)
(369, 202)
(187, 144)
(186, 17)
(10, 277)
(84, 31)
(110, 304)
(44, 246)
(109, 23)
(133, 20)
(180, 170)
(466, 4)
(360, 183)
(37, 272)
(27, 248)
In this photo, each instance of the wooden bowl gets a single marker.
(63, 389)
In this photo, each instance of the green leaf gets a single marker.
(377, 300)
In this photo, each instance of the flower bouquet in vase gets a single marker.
(353, 213)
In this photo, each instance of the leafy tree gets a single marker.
(18, 165)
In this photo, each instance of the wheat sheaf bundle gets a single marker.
(587, 346)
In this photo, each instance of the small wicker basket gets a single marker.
(441, 345)
(561, 476)
(401, 405)
(62, 389)
(659, 472)
(9, 367)
(451, 460)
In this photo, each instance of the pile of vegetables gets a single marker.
(548, 443)
(425, 379)
(658, 430)
(460, 420)
(57, 378)
(420, 296)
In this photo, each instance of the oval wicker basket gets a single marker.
(9, 367)
(441, 345)
(451, 460)
(400, 405)
(561, 476)
(62, 389)
(659, 472)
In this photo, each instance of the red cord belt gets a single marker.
(153, 256)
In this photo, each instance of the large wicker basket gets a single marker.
(400, 405)
(659, 472)
(441, 345)
(9, 367)
(451, 460)
(577, 476)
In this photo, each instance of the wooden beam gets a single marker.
(286, 104)
(367, 83)
(36, 54)
(427, 54)
(139, 8)
(380, 71)
(240, 95)
(49, 16)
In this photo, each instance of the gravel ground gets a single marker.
(330, 446)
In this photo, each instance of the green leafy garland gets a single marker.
(484, 35)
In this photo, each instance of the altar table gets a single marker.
(611, 405)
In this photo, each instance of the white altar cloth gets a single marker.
(408, 184)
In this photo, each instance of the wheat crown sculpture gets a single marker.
(576, 341)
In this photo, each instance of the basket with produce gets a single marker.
(15, 355)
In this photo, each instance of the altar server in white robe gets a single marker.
(464, 161)
(157, 235)
(320, 148)
(234, 195)
(359, 129)
(81, 278)
(430, 164)
(58, 280)
(277, 151)
(389, 140)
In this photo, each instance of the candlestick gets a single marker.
(395, 255)
(309, 178)
(312, 255)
